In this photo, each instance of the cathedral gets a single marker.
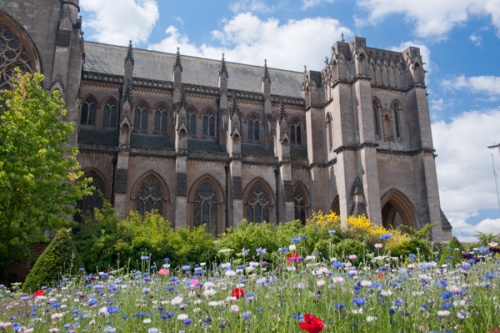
(213, 142)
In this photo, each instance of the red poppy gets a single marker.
(311, 323)
(380, 275)
(39, 293)
(238, 293)
(292, 258)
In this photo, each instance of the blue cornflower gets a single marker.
(109, 329)
(112, 309)
(489, 275)
(331, 232)
(144, 258)
(339, 306)
(295, 239)
(303, 237)
(399, 302)
(298, 316)
(188, 321)
(446, 294)
(246, 314)
(283, 249)
(484, 250)
(186, 267)
(338, 264)
(358, 301)
(447, 305)
(207, 320)
(261, 251)
(385, 236)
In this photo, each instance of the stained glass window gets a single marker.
(88, 112)
(258, 205)
(300, 208)
(208, 124)
(13, 53)
(296, 135)
(253, 129)
(149, 197)
(161, 120)
(141, 118)
(109, 114)
(205, 208)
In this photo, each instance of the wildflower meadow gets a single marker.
(304, 285)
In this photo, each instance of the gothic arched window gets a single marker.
(208, 124)
(376, 119)
(150, 197)
(329, 131)
(192, 124)
(395, 112)
(109, 114)
(88, 112)
(14, 52)
(300, 207)
(258, 205)
(141, 118)
(87, 205)
(253, 129)
(295, 133)
(205, 208)
(161, 120)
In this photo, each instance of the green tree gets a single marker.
(39, 172)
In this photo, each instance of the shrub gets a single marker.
(451, 253)
(58, 259)
(191, 246)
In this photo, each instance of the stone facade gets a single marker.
(211, 141)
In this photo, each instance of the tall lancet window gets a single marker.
(205, 208)
(253, 129)
(258, 208)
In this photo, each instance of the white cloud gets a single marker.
(464, 169)
(313, 3)
(476, 39)
(250, 40)
(467, 232)
(489, 85)
(432, 18)
(254, 6)
(118, 21)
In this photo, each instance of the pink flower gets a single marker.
(378, 246)
(163, 271)
(353, 257)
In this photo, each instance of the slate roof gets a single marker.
(98, 137)
(109, 59)
(254, 149)
(204, 145)
(152, 141)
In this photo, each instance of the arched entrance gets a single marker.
(397, 210)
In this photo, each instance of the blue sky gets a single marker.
(459, 39)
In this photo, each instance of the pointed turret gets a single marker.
(266, 89)
(177, 77)
(223, 77)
